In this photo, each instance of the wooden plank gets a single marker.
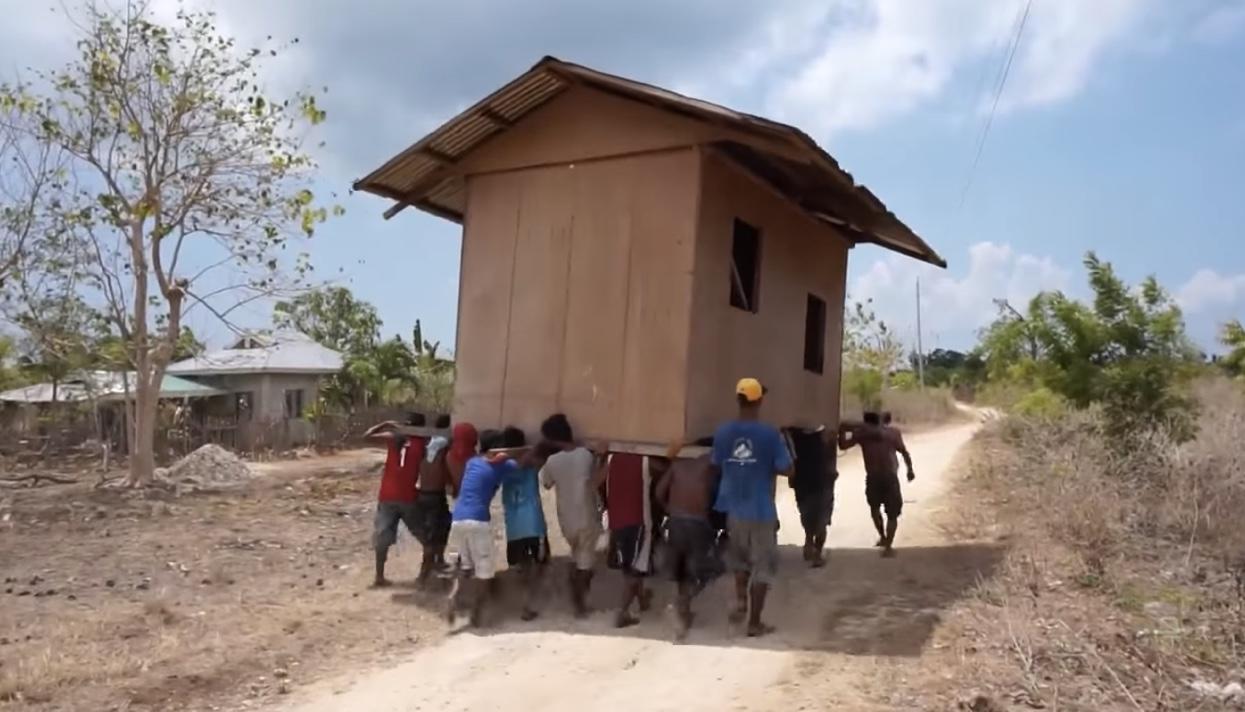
(484, 299)
(538, 297)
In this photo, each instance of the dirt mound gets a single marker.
(209, 467)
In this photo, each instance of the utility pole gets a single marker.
(920, 352)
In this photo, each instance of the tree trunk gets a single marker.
(142, 449)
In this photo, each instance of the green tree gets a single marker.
(870, 352)
(1233, 337)
(333, 317)
(172, 150)
(1126, 350)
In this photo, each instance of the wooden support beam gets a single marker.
(443, 158)
(496, 118)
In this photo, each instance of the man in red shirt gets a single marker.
(396, 500)
(628, 502)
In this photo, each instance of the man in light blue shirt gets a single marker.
(527, 541)
(750, 455)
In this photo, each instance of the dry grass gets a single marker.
(207, 599)
(1123, 583)
(932, 406)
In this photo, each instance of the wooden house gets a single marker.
(628, 253)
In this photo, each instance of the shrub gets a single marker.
(1041, 403)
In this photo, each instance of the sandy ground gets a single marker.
(850, 636)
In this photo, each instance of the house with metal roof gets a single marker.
(271, 378)
(628, 253)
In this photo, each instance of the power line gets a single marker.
(998, 93)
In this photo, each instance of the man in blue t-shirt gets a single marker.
(471, 532)
(750, 454)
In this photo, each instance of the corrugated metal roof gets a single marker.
(282, 352)
(423, 175)
(106, 386)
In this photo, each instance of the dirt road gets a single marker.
(847, 635)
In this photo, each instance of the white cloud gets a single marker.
(1210, 299)
(954, 307)
(858, 63)
(1208, 290)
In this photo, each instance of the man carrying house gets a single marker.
(628, 503)
(750, 454)
(686, 492)
(527, 541)
(813, 482)
(396, 499)
(879, 445)
(432, 509)
(471, 533)
(570, 470)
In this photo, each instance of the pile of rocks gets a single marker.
(209, 467)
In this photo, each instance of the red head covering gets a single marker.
(463, 441)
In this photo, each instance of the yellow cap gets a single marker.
(750, 388)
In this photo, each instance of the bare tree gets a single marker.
(187, 183)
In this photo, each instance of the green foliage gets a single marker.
(949, 368)
(1042, 403)
(904, 381)
(1127, 351)
(375, 371)
(1233, 337)
(333, 317)
(868, 343)
(865, 386)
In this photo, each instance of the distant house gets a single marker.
(271, 380)
(87, 405)
(103, 387)
(629, 252)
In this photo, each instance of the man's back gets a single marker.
(691, 487)
(879, 446)
(570, 473)
(481, 479)
(750, 454)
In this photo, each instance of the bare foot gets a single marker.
(756, 630)
(881, 542)
(817, 562)
(888, 553)
(738, 613)
(625, 620)
(528, 615)
(381, 583)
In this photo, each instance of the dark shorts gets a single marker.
(631, 549)
(385, 525)
(692, 551)
(717, 520)
(432, 519)
(816, 509)
(531, 550)
(884, 491)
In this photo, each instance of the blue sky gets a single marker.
(1121, 128)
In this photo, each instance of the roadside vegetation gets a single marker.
(1116, 484)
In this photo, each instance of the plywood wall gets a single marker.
(576, 293)
(799, 256)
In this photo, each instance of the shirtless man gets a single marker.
(686, 492)
(432, 508)
(878, 445)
